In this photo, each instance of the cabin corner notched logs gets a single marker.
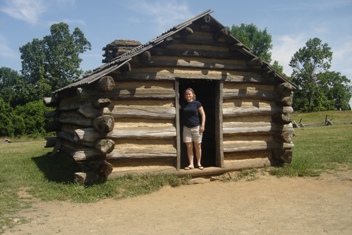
(125, 114)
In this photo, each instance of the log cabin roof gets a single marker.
(126, 57)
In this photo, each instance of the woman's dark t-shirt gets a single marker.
(191, 114)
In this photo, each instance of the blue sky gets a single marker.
(291, 24)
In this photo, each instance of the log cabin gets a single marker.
(124, 116)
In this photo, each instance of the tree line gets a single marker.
(53, 62)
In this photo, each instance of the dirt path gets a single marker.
(267, 205)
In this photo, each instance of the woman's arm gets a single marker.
(202, 114)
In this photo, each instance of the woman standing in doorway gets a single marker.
(193, 127)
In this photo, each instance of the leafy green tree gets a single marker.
(259, 41)
(54, 61)
(337, 89)
(307, 63)
(8, 81)
(32, 118)
(279, 68)
(6, 125)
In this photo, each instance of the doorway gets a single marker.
(207, 92)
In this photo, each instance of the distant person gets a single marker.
(193, 127)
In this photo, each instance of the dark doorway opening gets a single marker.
(206, 92)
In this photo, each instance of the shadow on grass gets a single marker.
(58, 168)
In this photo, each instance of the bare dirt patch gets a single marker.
(266, 205)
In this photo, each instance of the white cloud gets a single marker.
(5, 50)
(285, 47)
(342, 58)
(26, 10)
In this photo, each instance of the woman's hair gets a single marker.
(191, 90)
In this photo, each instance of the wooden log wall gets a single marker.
(145, 117)
(127, 118)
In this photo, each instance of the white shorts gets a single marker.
(192, 135)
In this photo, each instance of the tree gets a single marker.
(258, 41)
(54, 61)
(307, 63)
(6, 126)
(8, 81)
(337, 89)
(13, 88)
(279, 68)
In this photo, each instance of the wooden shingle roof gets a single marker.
(126, 57)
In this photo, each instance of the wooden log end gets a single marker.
(101, 103)
(52, 126)
(51, 101)
(104, 123)
(284, 88)
(101, 167)
(104, 145)
(86, 178)
(282, 118)
(282, 156)
(106, 83)
(50, 142)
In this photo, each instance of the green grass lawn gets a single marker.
(26, 166)
(337, 117)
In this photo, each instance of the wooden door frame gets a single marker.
(219, 153)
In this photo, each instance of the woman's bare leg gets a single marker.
(198, 148)
(189, 147)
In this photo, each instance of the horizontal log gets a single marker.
(210, 171)
(152, 112)
(67, 135)
(242, 94)
(129, 90)
(142, 132)
(197, 38)
(75, 118)
(142, 74)
(51, 101)
(248, 155)
(266, 110)
(120, 154)
(162, 61)
(89, 111)
(143, 148)
(52, 126)
(50, 142)
(51, 114)
(265, 128)
(87, 154)
(70, 103)
(88, 134)
(239, 146)
(216, 47)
